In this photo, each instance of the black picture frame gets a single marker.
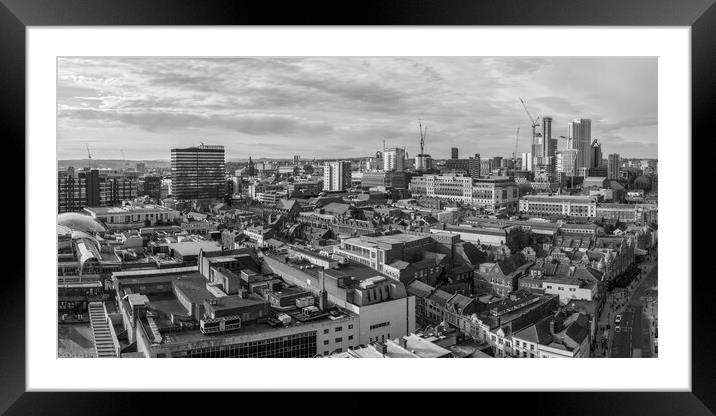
(16, 15)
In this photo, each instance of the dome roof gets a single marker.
(63, 230)
(80, 222)
(81, 234)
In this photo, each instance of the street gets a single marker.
(634, 340)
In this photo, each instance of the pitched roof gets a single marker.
(440, 297)
(577, 331)
(420, 289)
(337, 208)
(537, 333)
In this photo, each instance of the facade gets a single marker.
(198, 172)
(491, 193)
(337, 176)
(527, 161)
(566, 205)
(394, 159)
(613, 166)
(580, 135)
(449, 187)
(383, 306)
(471, 166)
(385, 179)
(130, 216)
(495, 193)
(567, 162)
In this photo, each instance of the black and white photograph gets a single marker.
(288, 184)
(357, 207)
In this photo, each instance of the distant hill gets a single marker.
(114, 163)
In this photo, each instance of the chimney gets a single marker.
(552, 327)
(381, 347)
(403, 342)
(322, 295)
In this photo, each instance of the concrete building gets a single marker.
(394, 159)
(567, 205)
(198, 172)
(130, 216)
(383, 308)
(449, 187)
(613, 165)
(337, 176)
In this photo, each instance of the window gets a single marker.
(350, 337)
(325, 342)
(339, 339)
(350, 326)
(339, 329)
(325, 331)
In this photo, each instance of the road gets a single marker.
(634, 340)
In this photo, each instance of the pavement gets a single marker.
(636, 336)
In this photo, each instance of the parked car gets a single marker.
(617, 329)
(618, 319)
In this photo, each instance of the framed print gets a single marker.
(424, 181)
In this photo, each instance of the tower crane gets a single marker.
(534, 122)
(89, 156)
(423, 135)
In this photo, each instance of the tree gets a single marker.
(517, 239)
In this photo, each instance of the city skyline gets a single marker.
(333, 107)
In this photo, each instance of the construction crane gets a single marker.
(423, 135)
(89, 157)
(534, 122)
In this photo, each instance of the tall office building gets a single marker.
(595, 157)
(394, 159)
(567, 162)
(580, 134)
(548, 147)
(613, 166)
(337, 176)
(198, 172)
(454, 153)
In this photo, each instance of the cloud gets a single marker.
(346, 106)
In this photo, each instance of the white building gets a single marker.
(384, 308)
(337, 176)
(133, 214)
(527, 161)
(491, 193)
(569, 205)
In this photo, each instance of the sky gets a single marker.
(333, 107)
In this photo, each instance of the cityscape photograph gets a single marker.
(357, 207)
